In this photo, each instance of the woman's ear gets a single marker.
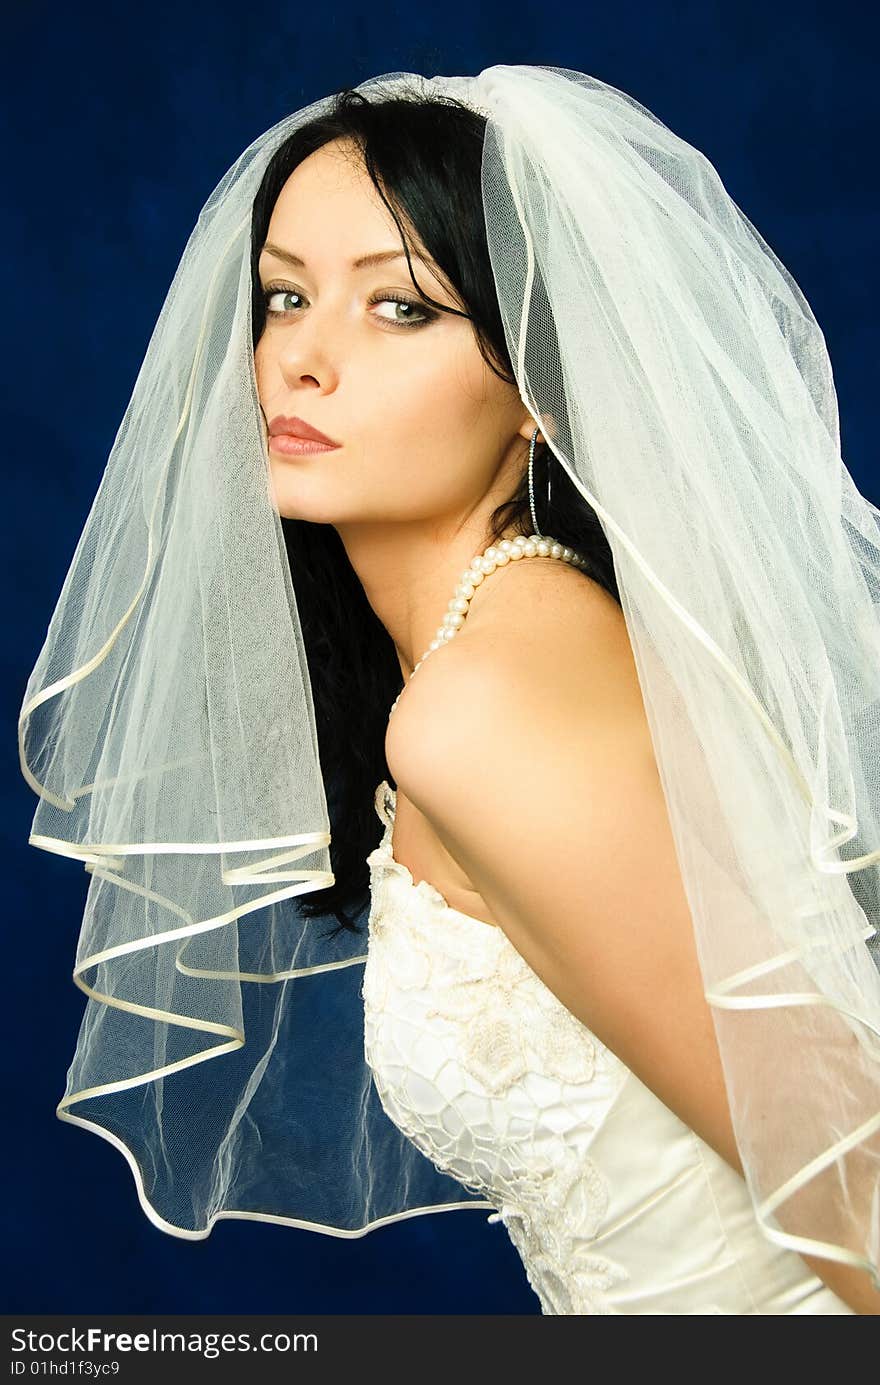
(528, 427)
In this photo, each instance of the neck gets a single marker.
(409, 573)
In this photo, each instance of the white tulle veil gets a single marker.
(168, 725)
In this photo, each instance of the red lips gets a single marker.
(298, 428)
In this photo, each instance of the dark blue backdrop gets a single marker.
(119, 125)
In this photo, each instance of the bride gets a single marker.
(525, 739)
(560, 916)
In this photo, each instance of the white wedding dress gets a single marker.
(613, 1203)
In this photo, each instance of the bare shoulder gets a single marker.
(542, 645)
(536, 594)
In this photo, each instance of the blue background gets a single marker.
(118, 125)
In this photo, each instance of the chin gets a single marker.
(290, 503)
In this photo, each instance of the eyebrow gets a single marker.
(362, 262)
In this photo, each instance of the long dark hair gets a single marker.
(424, 158)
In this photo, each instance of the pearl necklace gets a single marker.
(497, 555)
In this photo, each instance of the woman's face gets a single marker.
(426, 429)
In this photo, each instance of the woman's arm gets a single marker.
(537, 772)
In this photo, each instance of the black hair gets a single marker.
(424, 157)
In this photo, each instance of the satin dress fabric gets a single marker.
(614, 1205)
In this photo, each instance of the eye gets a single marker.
(276, 291)
(411, 304)
(400, 300)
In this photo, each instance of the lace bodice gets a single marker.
(614, 1205)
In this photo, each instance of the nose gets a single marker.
(311, 349)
